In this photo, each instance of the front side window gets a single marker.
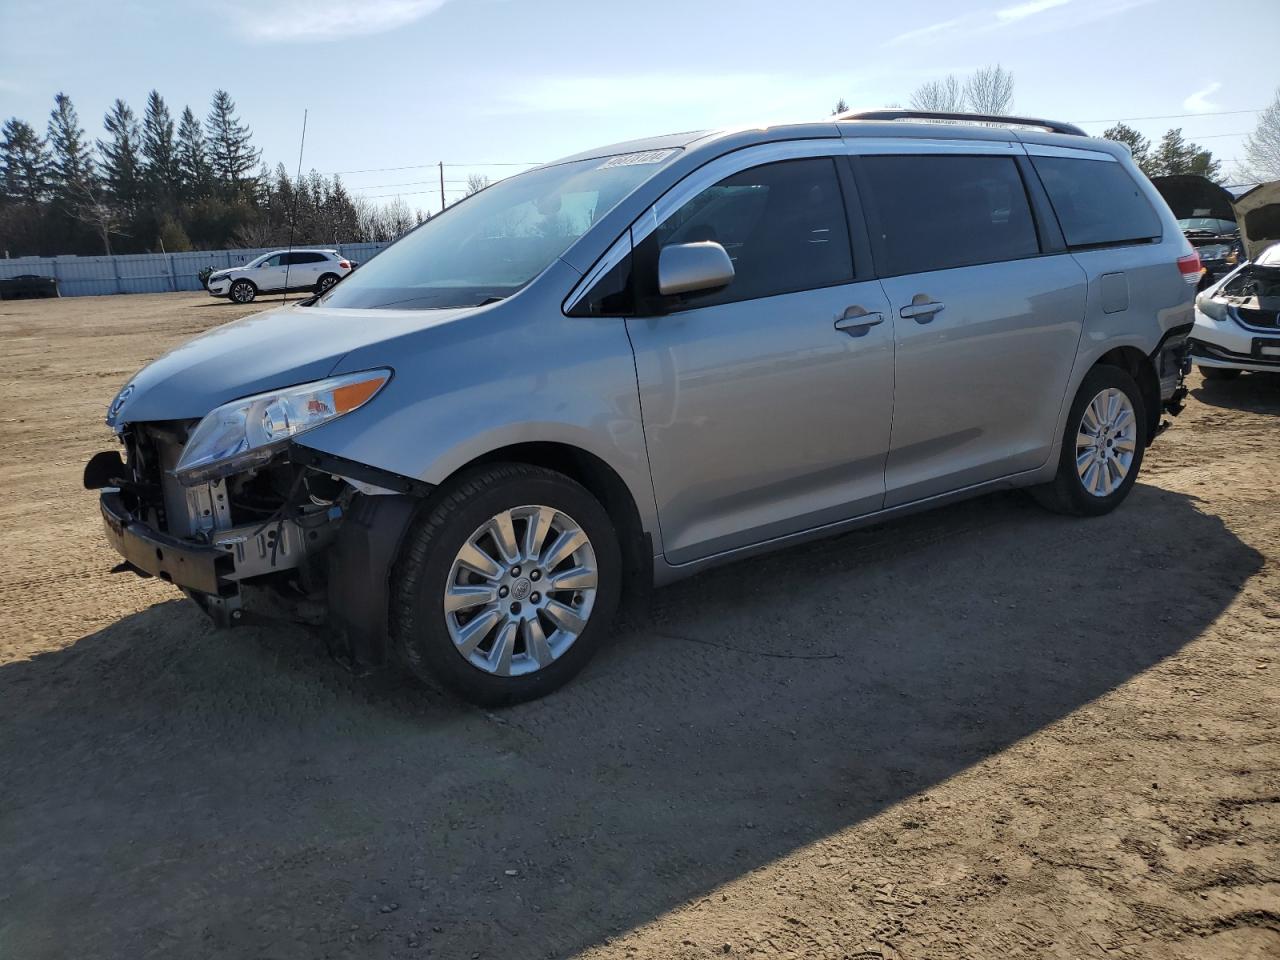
(273, 261)
(783, 225)
(490, 245)
(1097, 202)
(941, 211)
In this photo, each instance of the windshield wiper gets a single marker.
(488, 300)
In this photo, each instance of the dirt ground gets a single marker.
(982, 732)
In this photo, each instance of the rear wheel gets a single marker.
(325, 282)
(1102, 446)
(243, 291)
(507, 586)
(1219, 373)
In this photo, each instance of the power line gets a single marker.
(1172, 116)
(423, 166)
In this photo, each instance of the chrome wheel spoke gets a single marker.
(465, 597)
(563, 548)
(579, 578)
(476, 560)
(473, 634)
(535, 641)
(535, 534)
(504, 535)
(504, 648)
(564, 617)
(1106, 439)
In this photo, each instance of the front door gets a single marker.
(270, 273)
(767, 404)
(988, 321)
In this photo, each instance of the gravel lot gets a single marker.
(981, 732)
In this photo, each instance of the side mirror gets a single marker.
(693, 268)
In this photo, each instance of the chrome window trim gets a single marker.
(1068, 153)
(906, 146)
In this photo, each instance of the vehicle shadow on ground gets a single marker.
(1254, 392)
(171, 790)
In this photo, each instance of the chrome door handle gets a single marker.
(923, 311)
(856, 321)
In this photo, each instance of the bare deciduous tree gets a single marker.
(92, 206)
(989, 90)
(477, 182)
(943, 96)
(1262, 147)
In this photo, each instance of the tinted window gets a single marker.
(1097, 202)
(936, 212)
(782, 224)
(308, 258)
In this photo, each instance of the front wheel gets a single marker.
(507, 586)
(1102, 446)
(243, 291)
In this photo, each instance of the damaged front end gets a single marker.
(250, 523)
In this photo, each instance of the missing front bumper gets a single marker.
(204, 569)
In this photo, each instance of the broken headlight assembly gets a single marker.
(250, 431)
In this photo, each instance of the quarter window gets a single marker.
(782, 224)
(1097, 202)
(937, 212)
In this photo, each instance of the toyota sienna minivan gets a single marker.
(618, 369)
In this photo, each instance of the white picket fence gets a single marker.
(150, 272)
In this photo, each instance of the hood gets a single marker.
(1189, 195)
(1258, 213)
(278, 348)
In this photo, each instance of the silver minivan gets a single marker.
(621, 368)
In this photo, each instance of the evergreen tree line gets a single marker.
(165, 185)
(1172, 155)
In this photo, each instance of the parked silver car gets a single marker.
(621, 368)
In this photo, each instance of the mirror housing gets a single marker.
(693, 268)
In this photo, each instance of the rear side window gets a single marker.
(299, 258)
(937, 212)
(1097, 202)
(783, 225)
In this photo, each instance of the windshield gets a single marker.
(1206, 225)
(493, 243)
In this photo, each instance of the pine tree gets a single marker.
(231, 151)
(1176, 155)
(192, 157)
(24, 163)
(72, 171)
(160, 152)
(121, 166)
(1138, 145)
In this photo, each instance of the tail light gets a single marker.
(1190, 267)
(346, 264)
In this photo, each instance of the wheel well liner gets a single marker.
(1139, 366)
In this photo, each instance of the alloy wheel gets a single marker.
(1106, 441)
(520, 590)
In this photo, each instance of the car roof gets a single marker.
(971, 127)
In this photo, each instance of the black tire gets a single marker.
(419, 578)
(247, 291)
(325, 282)
(1066, 493)
(1219, 373)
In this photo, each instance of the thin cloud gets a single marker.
(927, 32)
(1024, 10)
(300, 21)
(1199, 101)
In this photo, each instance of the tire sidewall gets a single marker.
(422, 636)
(321, 286)
(1098, 379)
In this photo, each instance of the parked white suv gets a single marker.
(316, 270)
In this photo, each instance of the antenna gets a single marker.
(293, 220)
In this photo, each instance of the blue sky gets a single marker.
(400, 83)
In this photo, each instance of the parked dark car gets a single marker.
(1206, 215)
(28, 286)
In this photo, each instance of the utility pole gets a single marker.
(442, 186)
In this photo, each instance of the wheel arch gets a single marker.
(604, 483)
(1139, 366)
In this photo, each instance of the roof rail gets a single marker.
(1053, 126)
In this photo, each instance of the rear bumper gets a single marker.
(193, 566)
